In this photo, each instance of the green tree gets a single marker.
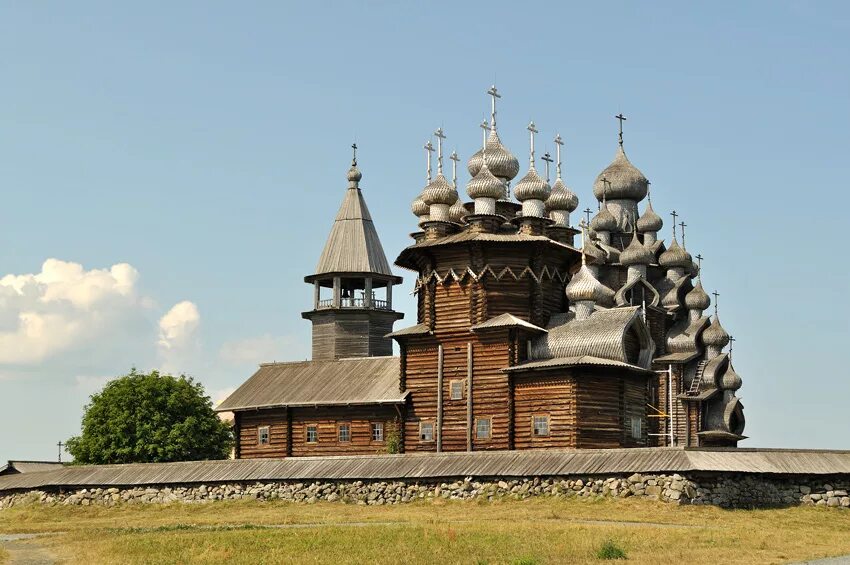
(142, 418)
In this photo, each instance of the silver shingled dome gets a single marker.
(626, 182)
(485, 185)
(715, 335)
(501, 162)
(531, 187)
(697, 299)
(603, 220)
(636, 253)
(584, 286)
(675, 256)
(562, 198)
(649, 221)
(439, 191)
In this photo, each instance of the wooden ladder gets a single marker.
(694, 390)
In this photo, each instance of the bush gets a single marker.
(610, 550)
(148, 418)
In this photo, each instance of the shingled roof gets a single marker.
(367, 380)
(353, 245)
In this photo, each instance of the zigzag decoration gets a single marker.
(452, 275)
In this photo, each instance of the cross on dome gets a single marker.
(622, 119)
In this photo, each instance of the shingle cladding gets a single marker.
(353, 245)
(368, 380)
(601, 335)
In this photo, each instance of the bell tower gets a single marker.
(352, 286)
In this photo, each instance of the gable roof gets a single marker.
(14, 467)
(506, 321)
(353, 245)
(367, 380)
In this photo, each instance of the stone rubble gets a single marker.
(725, 490)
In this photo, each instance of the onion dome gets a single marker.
(603, 220)
(419, 208)
(501, 162)
(561, 198)
(584, 286)
(485, 184)
(697, 299)
(636, 253)
(439, 191)
(625, 181)
(531, 187)
(675, 256)
(457, 211)
(714, 335)
(649, 221)
(354, 174)
(730, 379)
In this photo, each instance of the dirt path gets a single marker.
(25, 549)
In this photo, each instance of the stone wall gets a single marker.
(725, 490)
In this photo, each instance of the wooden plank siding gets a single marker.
(247, 425)
(287, 431)
(550, 395)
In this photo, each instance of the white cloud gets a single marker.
(178, 326)
(65, 307)
(261, 349)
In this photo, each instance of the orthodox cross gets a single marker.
(558, 143)
(532, 129)
(485, 129)
(354, 159)
(548, 159)
(454, 159)
(60, 445)
(675, 215)
(699, 264)
(440, 137)
(605, 185)
(583, 225)
(493, 94)
(715, 294)
(683, 225)
(587, 212)
(648, 192)
(622, 119)
(731, 341)
(429, 148)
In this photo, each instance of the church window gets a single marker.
(482, 428)
(456, 390)
(312, 433)
(377, 431)
(540, 425)
(637, 427)
(344, 432)
(263, 435)
(426, 431)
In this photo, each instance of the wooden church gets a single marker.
(522, 340)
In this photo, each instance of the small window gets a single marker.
(540, 425)
(482, 428)
(312, 434)
(263, 435)
(426, 431)
(456, 390)
(377, 431)
(344, 432)
(637, 427)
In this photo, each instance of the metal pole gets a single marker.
(670, 400)
(469, 421)
(439, 429)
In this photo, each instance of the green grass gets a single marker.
(610, 550)
(538, 531)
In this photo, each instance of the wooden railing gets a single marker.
(353, 303)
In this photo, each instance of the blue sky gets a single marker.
(205, 145)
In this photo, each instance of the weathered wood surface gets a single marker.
(553, 462)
